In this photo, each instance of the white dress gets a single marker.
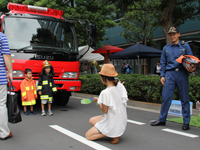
(113, 124)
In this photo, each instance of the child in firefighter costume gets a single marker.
(28, 92)
(46, 87)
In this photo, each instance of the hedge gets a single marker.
(140, 87)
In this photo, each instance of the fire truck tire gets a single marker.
(62, 97)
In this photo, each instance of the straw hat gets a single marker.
(108, 70)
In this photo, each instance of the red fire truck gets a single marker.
(36, 34)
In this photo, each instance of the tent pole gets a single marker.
(138, 64)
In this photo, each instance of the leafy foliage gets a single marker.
(98, 14)
(170, 12)
(140, 87)
(139, 25)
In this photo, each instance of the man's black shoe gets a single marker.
(185, 127)
(158, 123)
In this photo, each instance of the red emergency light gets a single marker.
(36, 9)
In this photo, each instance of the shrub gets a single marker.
(139, 87)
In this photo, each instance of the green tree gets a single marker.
(171, 12)
(139, 26)
(96, 12)
(121, 7)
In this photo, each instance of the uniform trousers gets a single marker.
(175, 79)
(4, 130)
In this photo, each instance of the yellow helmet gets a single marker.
(46, 64)
(99, 67)
(95, 63)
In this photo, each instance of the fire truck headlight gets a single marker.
(69, 75)
(18, 73)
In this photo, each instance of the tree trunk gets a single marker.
(166, 26)
(145, 60)
(166, 20)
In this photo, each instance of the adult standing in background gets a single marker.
(174, 74)
(123, 69)
(5, 61)
(157, 68)
(128, 69)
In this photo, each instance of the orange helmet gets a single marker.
(188, 61)
(46, 64)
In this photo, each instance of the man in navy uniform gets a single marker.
(174, 74)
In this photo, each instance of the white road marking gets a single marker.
(79, 138)
(181, 133)
(136, 122)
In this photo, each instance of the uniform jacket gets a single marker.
(169, 55)
(28, 92)
(46, 85)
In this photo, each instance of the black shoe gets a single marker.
(26, 113)
(185, 127)
(32, 113)
(158, 123)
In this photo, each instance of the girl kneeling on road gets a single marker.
(112, 101)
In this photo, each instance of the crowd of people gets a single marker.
(126, 69)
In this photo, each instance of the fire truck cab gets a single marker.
(36, 34)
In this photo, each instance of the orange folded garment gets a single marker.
(180, 59)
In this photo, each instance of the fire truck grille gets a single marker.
(36, 74)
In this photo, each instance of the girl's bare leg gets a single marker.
(95, 119)
(93, 134)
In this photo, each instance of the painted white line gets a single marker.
(181, 133)
(79, 138)
(135, 122)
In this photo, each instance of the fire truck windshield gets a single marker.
(43, 34)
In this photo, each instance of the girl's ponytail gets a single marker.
(116, 80)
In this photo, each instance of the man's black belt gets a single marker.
(175, 69)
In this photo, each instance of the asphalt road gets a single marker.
(65, 130)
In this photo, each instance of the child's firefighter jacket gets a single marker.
(28, 92)
(47, 86)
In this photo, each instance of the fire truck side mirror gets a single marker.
(92, 42)
(93, 33)
(92, 30)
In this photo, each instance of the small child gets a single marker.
(28, 92)
(46, 87)
(112, 102)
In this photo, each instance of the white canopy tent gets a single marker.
(89, 56)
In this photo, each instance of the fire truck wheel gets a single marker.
(62, 97)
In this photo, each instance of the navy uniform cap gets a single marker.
(173, 29)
